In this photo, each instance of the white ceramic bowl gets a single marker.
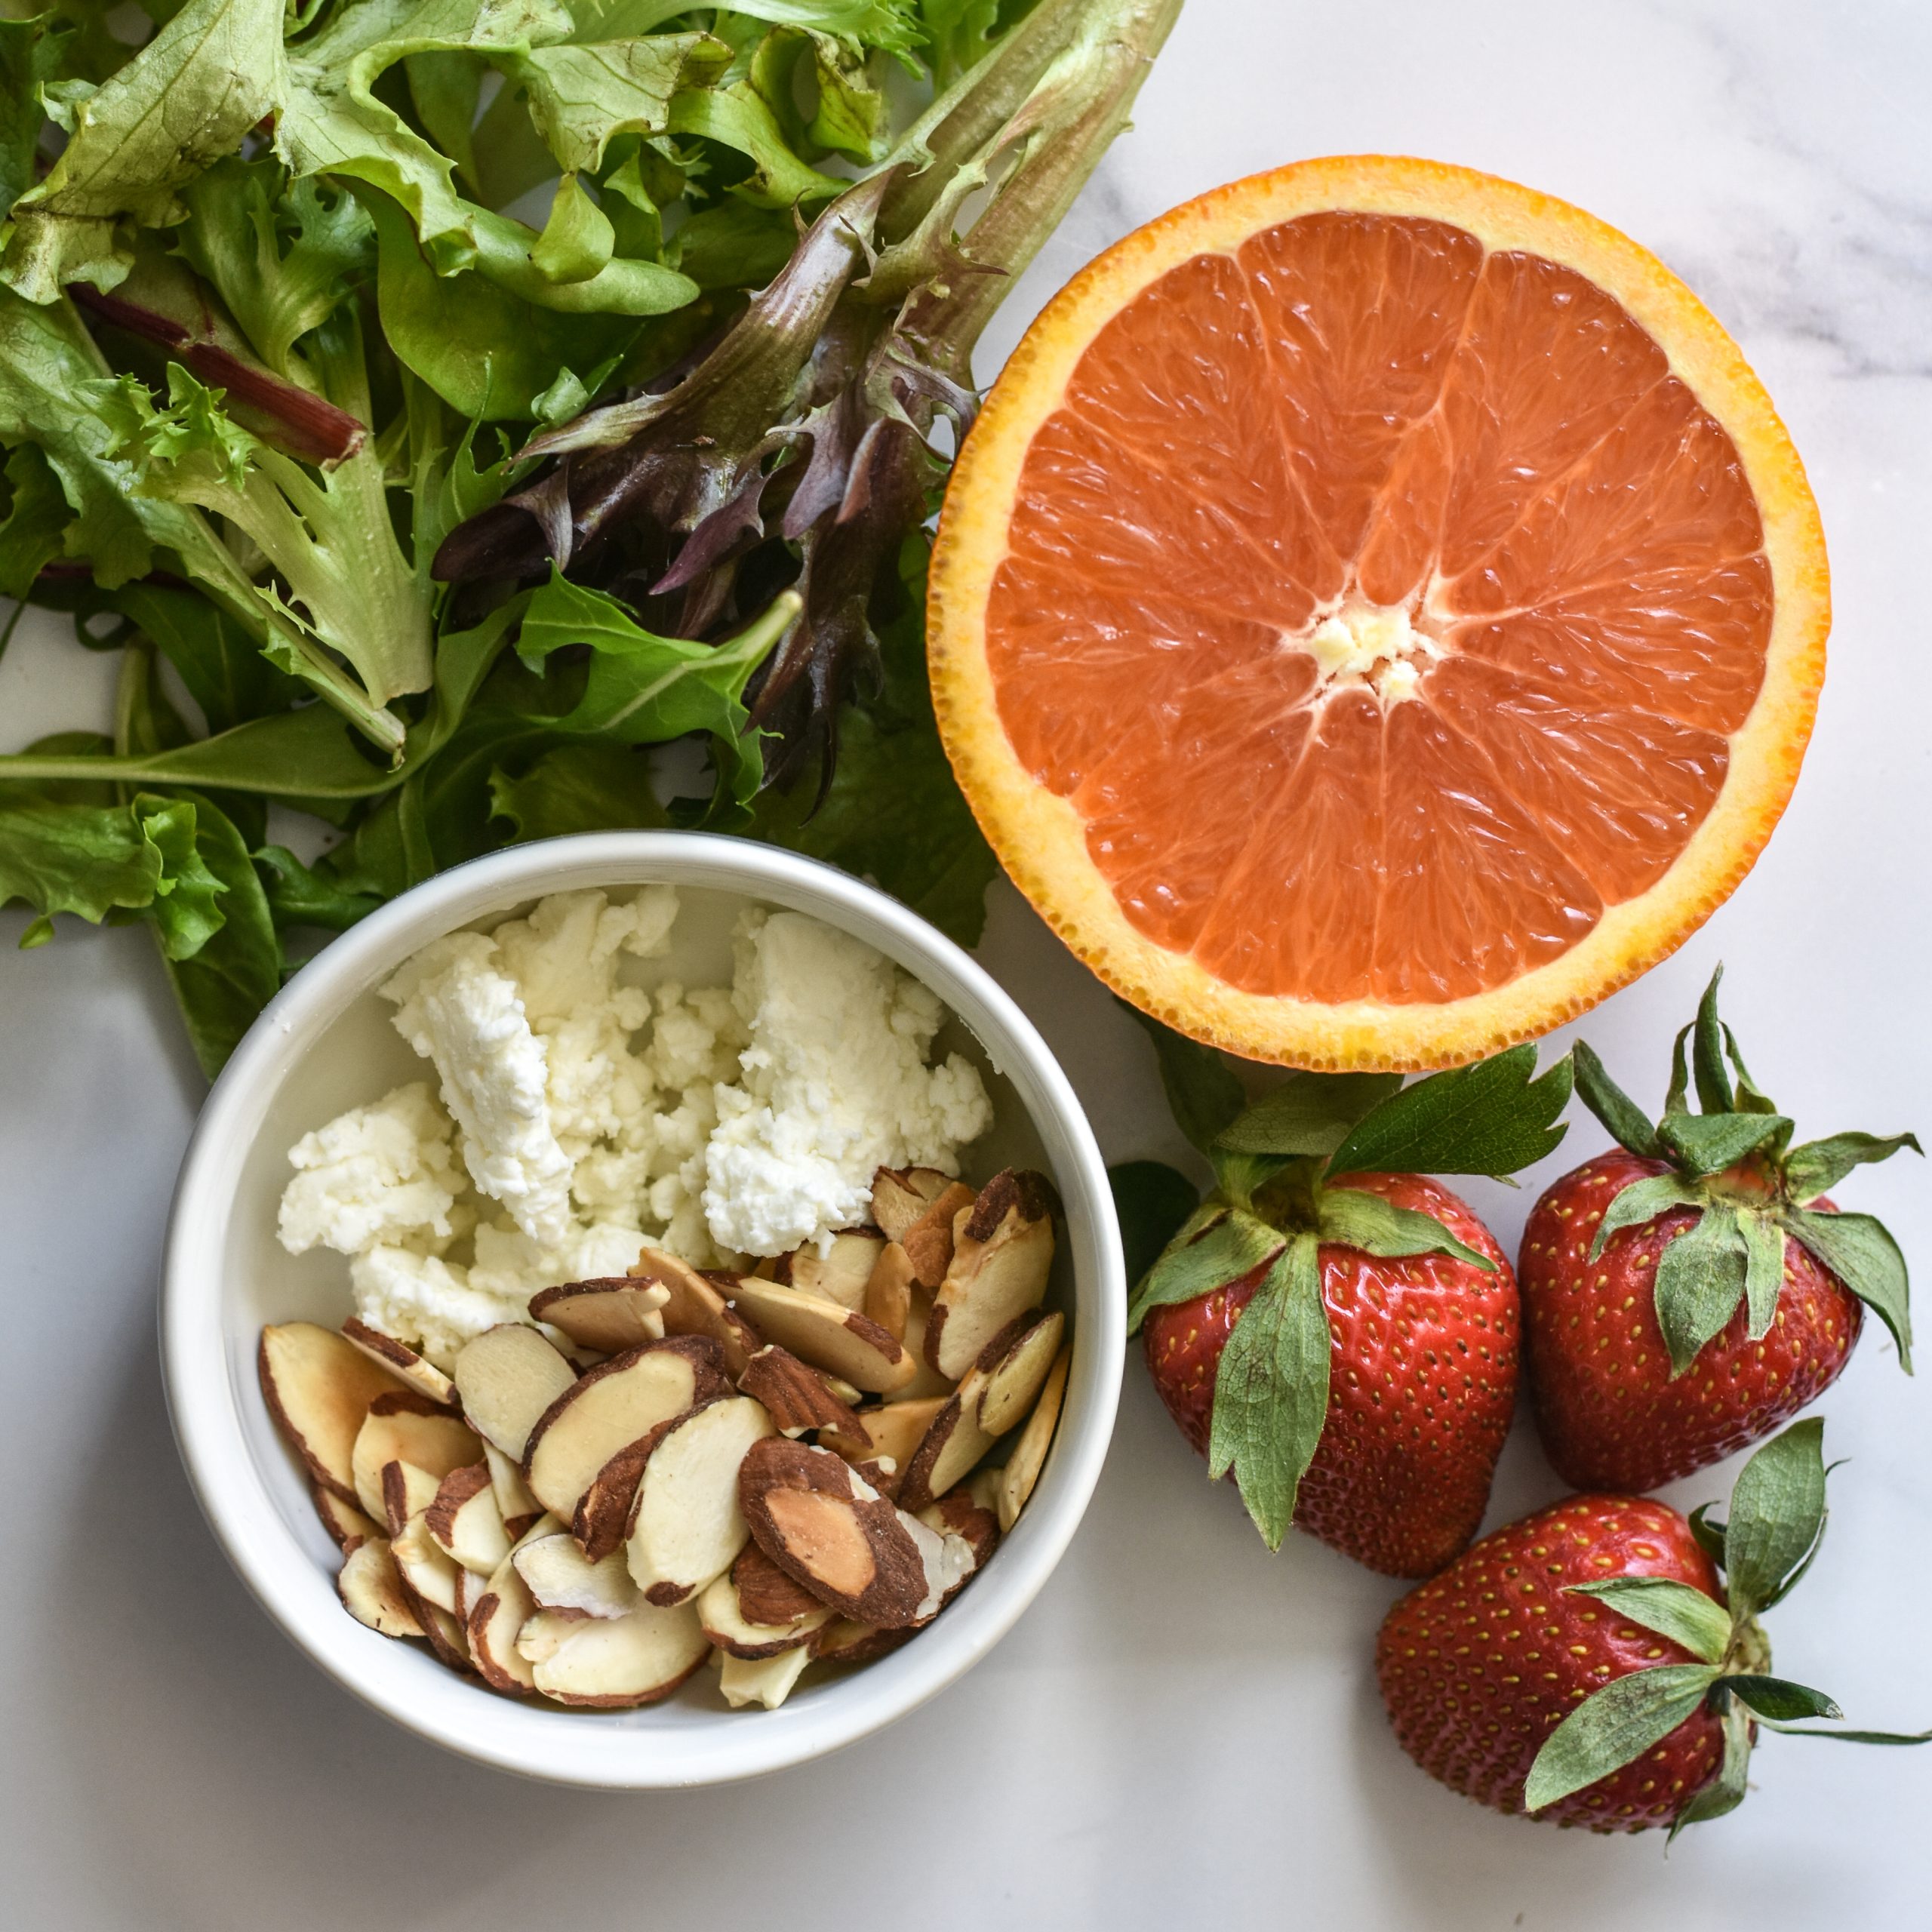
(324, 1045)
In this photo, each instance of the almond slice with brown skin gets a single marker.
(686, 1526)
(344, 1521)
(518, 1507)
(1018, 1372)
(319, 1388)
(507, 1378)
(838, 1340)
(949, 1451)
(546, 1631)
(447, 1638)
(845, 1641)
(424, 1567)
(929, 1241)
(998, 1270)
(407, 1491)
(889, 1290)
(724, 1610)
(401, 1360)
(841, 1273)
(900, 1196)
(927, 1381)
(961, 1513)
(1029, 1454)
(610, 1314)
(371, 1589)
(795, 1395)
(890, 1432)
(499, 1613)
(617, 1663)
(766, 1681)
(435, 1443)
(695, 1306)
(464, 1521)
(612, 1406)
(830, 1531)
(560, 1576)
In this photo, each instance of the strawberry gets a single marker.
(1335, 1331)
(1585, 1665)
(1684, 1297)
(1421, 1383)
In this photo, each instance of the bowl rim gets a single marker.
(575, 1748)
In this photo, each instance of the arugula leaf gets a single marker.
(1271, 1390)
(186, 99)
(1489, 1118)
(220, 663)
(298, 897)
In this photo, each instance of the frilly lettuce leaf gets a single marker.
(187, 99)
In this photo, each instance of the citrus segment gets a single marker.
(1377, 613)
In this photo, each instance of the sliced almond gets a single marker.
(616, 1663)
(407, 1491)
(686, 1525)
(560, 1576)
(900, 1196)
(841, 1273)
(507, 1379)
(470, 1588)
(830, 1531)
(435, 1443)
(427, 1571)
(951, 1448)
(319, 1388)
(889, 1290)
(998, 1270)
(518, 1507)
(1014, 1378)
(928, 1242)
(371, 1589)
(447, 1638)
(402, 1361)
(344, 1521)
(795, 1395)
(695, 1306)
(499, 1613)
(890, 1432)
(839, 1340)
(928, 1381)
(465, 1522)
(846, 1640)
(612, 1406)
(727, 1622)
(603, 1515)
(1029, 1454)
(546, 1631)
(971, 1516)
(609, 1314)
(766, 1681)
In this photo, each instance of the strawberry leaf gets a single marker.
(1352, 1218)
(1700, 1280)
(1725, 1792)
(1203, 1257)
(1307, 1114)
(1778, 1518)
(1678, 1101)
(1709, 1534)
(1622, 1117)
(1153, 1202)
(1271, 1390)
(1708, 1143)
(1750, 1098)
(1777, 1698)
(1203, 1093)
(1643, 1200)
(1818, 1166)
(1614, 1727)
(1862, 1254)
(1686, 1616)
(1489, 1118)
(1764, 1268)
(1714, 1094)
(1849, 1736)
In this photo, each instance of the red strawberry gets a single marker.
(1421, 1389)
(1585, 1664)
(1683, 1298)
(1339, 1333)
(1611, 1412)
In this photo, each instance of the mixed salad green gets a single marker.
(437, 404)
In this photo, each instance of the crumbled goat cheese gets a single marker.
(581, 1117)
(834, 1085)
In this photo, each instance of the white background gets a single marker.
(1184, 1729)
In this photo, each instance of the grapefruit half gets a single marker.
(1376, 614)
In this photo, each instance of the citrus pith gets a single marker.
(1376, 614)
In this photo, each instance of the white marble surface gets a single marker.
(1184, 1730)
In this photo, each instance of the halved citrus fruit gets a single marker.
(1376, 614)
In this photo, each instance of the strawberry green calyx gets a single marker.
(1733, 1163)
(1776, 1523)
(1283, 1191)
